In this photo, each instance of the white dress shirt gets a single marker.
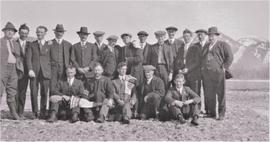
(70, 81)
(149, 80)
(22, 43)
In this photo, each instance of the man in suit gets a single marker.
(151, 93)
(217, 57)
(61, 97)
(38, 63)
(100, 91)
(59, 54)
(142, 35)
(83, 56)
(109, 57)
(161, 56)
(23, 82)
(172, 42)
(182, 101)
(11, 67)
(133, 55)
(99, 45)
(125, 94)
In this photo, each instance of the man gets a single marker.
(99, 45)
(217, 57)
(11, 64)
(23, 82)
(182, 101)
(100, 91)
(133, 55)
(125, 94)
(142, 35)
(172, 42)
(152, 91)
(202, 37)
(188, 62)
(38, 63)
(109, 57)
(59, 54)
(61, 98)
(83, 56)
(161, 56)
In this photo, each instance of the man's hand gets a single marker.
(170, 77)
(85, 92)
(66, 98)
(31, 73)
(188, 102)
(145, 98)
(133, 102)
(86, 69)
(178, 103)
(110, 102)
(81, 70)
(120, 102)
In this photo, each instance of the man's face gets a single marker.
(160, 39)
(142, 38)
(23, 34)
(83, 37)
(9, 33)
(40, 33)
(71, 72)
(58, 34)
(122, 71)
(112, 42)
(171, 33)
(148, 74)
(179, 82)
(212, 38)
(126, 39)
(98, 72)
(201, 36)
(99, 39)
(187, 37)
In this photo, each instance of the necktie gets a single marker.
(23, 47)
(40, 45)
(171, 41)
(11, 45)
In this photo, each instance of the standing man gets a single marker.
(99, 45)
(23, 82)
(217, 57)
(142, 35)
(38, 63)
(161, 56)
(172, 42)
(83, 56)
(11, 64)
(60, 55)
(202, 36)
(133, 56)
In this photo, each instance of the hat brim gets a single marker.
(59, 30)
(82, 33)
(171, 29)
(201, 31)
(142, 34)
(15, 30)
(214, 33)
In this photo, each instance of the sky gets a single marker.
(236, 19)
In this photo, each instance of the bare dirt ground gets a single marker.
(247, 118)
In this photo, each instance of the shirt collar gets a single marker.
(98, 44)
(60, 40)
(203, 42)
(111, 48)
(180, 89)
(143, 44)
(83, 43)
(22, 41)
(171, 40)
(149, 80)
(42, 41)
(71, 80)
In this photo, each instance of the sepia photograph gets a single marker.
(134, 70)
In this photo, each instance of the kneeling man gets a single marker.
(63, 97)
(182, 101)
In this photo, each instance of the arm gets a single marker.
(73, 57)
(195, 57)
(168, 98)
(109, 89)
(228, 56)
(29, 57)
(196, 98)
(160, 88)
(109, 65)
(58, 89)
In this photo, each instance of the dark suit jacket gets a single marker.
(222, 53)
(187, 94)
(152, 58)
(108, 60)
(156, 86)
(4, 57)
(39, 60)
(67, 50)
(174, 46)
(119, 89)
(192, 62)
(63, 88)
(23, 55)
(145, 53)
(99, 50)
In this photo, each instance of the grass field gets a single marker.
(247, 118)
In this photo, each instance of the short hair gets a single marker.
(187, 31)
(70, 66)
(98, 64)
(180, 76)
(121, 64)
(42, 27)
(25, 27)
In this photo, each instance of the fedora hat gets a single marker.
(201, 31)
(213, 30)
(9, 25)
(83, 30)
(59, 28)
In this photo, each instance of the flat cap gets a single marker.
(126, 34)
(171, 28)
(201, 31)
(187, 31)
(160, 33)
(99, 33)
(148, 68)
(112, 37)
(143, 33)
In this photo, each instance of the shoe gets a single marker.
(74, 118)
(52, 118)
(126, 120)
(194, 120)
(100, 120)
(181, 119)
(220, 118)
(89, 116)
(13, 112)
(143, 116)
